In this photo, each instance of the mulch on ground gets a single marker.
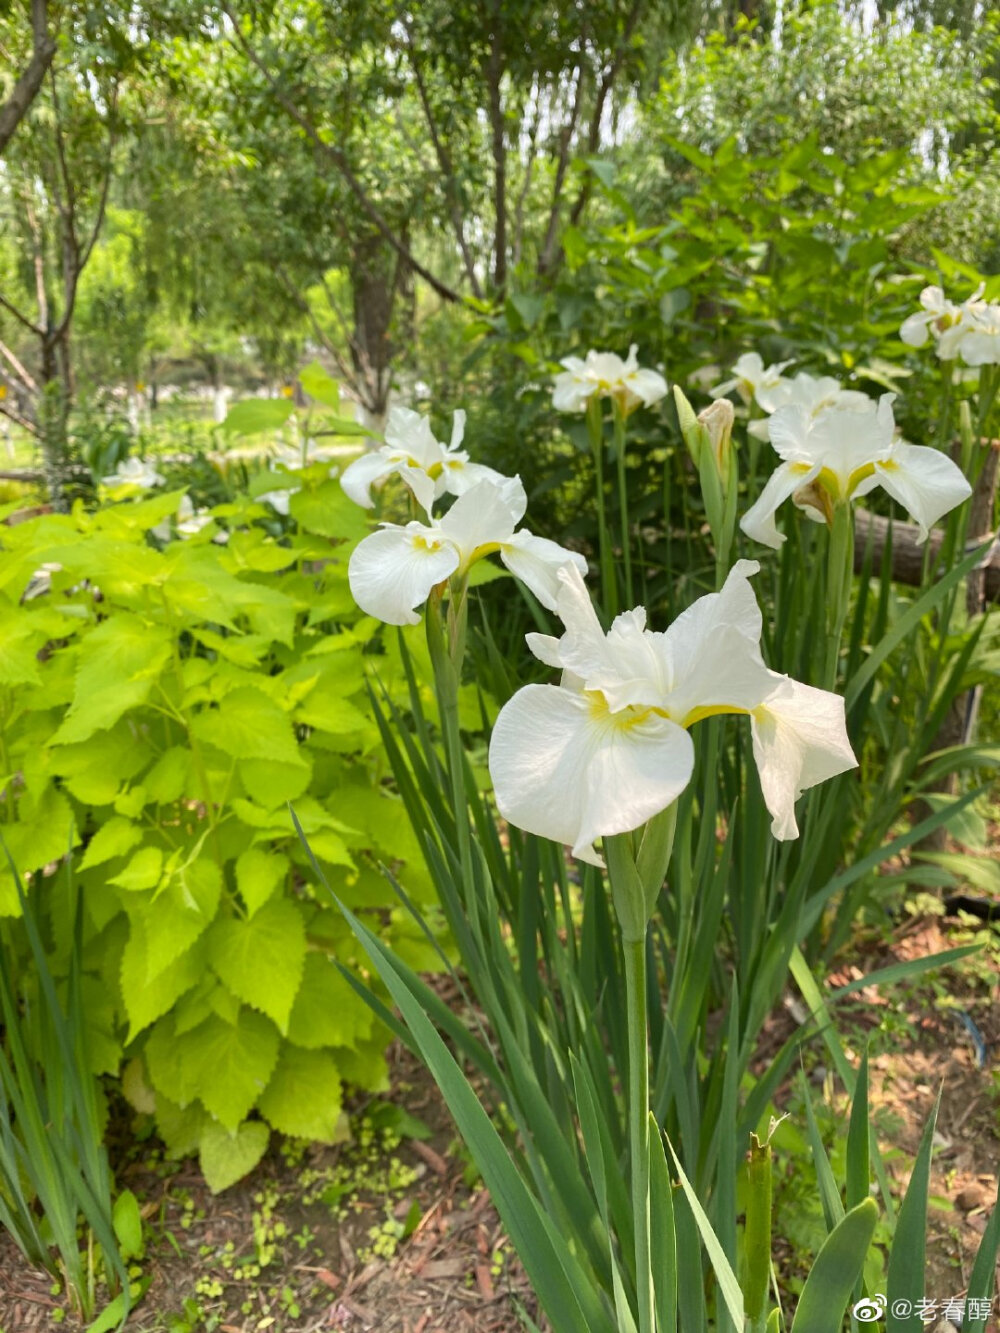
(455, 1273)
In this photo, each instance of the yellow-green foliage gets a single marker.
(161, 703)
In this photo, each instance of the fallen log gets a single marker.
(908, 551)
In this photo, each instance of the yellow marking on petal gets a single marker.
(625, 719)
(422, 543)
(890, 465)
(859, 475)
(799, 469)
(711, 710)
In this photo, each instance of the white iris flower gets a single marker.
(394, 570)
(981, 344)
(610, 747)
(840, 454)
(752, 380)
(608, 376)
(812, 393)
(425, 465)
(948, 324)
(135, 472)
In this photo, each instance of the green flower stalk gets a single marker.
(757, 1243)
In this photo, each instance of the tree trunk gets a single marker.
(53, 416)
(375, 279)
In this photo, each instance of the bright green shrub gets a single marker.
(160, 705)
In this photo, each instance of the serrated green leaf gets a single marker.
(115, 838)
(142, 872)
(167, 780)
(304, 1096)
(326, 712)
(41, 835)
(94, 770)
(116, 667)
(230, 1063)
(259, 872)
(248, 724)
(274, 783)
(261, 960)
(328, 512)
(226, 1158)
(146, 999)
(327, 1011)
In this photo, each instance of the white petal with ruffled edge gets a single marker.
(602, 661)
(758, 522)
(924, 481)
(799, 740)
(394, 570)
(565, 768)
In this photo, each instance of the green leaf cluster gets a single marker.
(164, 703)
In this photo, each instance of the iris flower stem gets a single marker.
(595, 428)
(446, 641)
(839, 577)
(638, 1113)
(619, 420)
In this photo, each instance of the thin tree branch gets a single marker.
(26, 378)
(522, 195)
(344, 367)
(38, 260)
(13, 415)
(32, 77)
(339, 160)
(80, 255)
(494, 79)
(548, 251)
(106, 183)
(604, 88)
(447, 168)
(21, 317)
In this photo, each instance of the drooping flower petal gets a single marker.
(799, 740)
(758, 522)
(566, 768)
(536, 561)
(359, 477)
(646, 386)
(924, 481)
(393, 570)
